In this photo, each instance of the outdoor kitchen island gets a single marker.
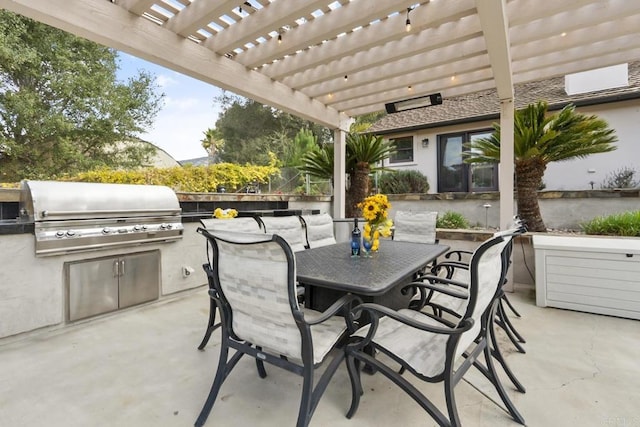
(79, 250)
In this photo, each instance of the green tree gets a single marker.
(304, 142)
(364, 152)
(252, 130)
(212, 143)
(540, 139)
(61, 108)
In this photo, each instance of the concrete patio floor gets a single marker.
(140, 367)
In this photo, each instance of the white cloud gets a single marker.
(188, 109)
(164, 80)
(181, 103)
(179, 132)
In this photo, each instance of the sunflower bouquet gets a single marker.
(375, 210)
(225, 213)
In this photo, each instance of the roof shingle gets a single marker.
(486, 105)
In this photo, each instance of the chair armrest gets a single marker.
(434, 284)
(437, 279)
(449, 266)
(376, 311)
(445, 286)
(345, 303)
(458, 254)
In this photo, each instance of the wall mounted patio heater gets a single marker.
(410, 104)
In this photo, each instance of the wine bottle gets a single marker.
(355, 239)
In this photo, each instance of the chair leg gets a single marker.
(502, 314)
(449, 395)
(353, 366)
(501, 317)
(495, 352)
(221, 374)
(401, 382)
(511, 307)
(224, 369)
(499, 388)
(211, 326)
(260, 365)
(304, 414)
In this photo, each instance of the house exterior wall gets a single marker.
(578, 174)
(624, 117)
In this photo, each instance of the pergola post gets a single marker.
(339, 172)
(506, 171)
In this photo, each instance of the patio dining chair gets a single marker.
(287, 227)
(255, 292)
(430, 347)
(239, 225)
(456, 267)
(416, 227)
(319, 230)
(458, 271)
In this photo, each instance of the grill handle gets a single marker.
(126, 212)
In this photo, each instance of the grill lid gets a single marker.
(54, 200)
(78, 216)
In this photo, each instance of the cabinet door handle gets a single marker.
(116, 268)
(122, 268)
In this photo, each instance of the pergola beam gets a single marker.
(388, 30)
(111, 25)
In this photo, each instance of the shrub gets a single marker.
(403, 181)
(620, 178)
(452, 219)
(621, 224)
(187, 178)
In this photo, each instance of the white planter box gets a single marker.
(595, 274)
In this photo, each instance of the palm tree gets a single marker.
(540, 139)
(363, 154)
(212, 143)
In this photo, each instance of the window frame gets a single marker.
(466, 172)
(393, 141)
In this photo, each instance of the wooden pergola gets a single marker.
(328, 61)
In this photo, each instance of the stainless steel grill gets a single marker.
(78, 216)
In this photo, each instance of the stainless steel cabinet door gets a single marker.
(139, 278)
(93, 287)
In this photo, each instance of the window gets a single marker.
(456, 176)
(404, 149)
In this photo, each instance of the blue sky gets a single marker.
(187, 112)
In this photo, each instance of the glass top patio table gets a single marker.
(332, 268)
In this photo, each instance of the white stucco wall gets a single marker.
(624, 117)
(32, 289)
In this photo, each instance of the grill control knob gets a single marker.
(60, 234)
(163, 226)
(106, 230)
(144, 227)
(71, 233)
(137, 228)
(169, 226)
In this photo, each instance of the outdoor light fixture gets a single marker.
(408, 21)
(279, 38)
(411, 103)
(425, 143)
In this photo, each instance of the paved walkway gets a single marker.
(141, 368)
